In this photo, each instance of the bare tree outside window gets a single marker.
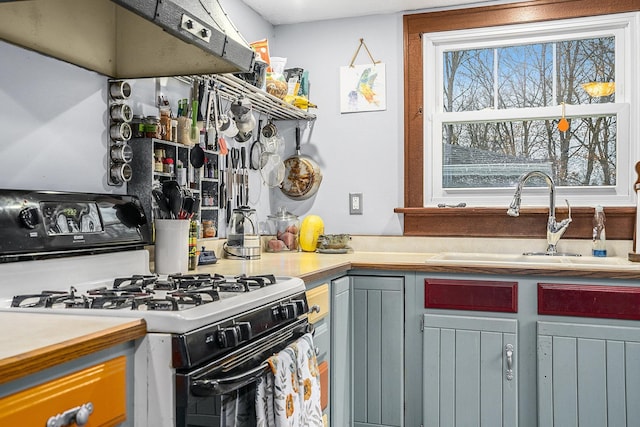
(493, 153)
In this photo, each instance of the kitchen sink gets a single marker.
(495, 258)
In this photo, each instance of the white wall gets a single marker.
(357, 152)
(54, 130)
(54, 120)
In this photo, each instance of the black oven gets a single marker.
(220, 361)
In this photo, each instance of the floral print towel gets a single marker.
(289, 396)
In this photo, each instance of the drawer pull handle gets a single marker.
(508, 350)
(78, 415)
(315, 308)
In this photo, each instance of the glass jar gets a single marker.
(284, 230)
(151, 127)
(165, 125)
(208, 229)
(137, 127)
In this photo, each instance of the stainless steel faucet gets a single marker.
(555, 230)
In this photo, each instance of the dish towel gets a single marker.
(289, 395)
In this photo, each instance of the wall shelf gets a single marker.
(230, 88)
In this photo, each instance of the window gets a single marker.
(494, 99)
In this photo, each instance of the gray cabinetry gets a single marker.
(341, 350)
(378, 321)
(470, 371)
(575, 359)
(588, 375)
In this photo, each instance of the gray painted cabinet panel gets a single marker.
(465, 366)
(377, 351)
(340, 367)
(588, 375)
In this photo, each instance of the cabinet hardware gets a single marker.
(78, 415)
(508, 351)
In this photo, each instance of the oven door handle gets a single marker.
(218, 386)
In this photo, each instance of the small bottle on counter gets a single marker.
(193, 245)
(599, 235)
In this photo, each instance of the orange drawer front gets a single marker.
(318, 300)
(104, 385)
(324, 384)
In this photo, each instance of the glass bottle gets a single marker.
(599, 235)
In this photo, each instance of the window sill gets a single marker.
(494, 222)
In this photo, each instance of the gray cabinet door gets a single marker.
(340, 361)
(377, 351)
(469, 378)
(588, 375)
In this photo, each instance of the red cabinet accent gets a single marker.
(613, 302)
(476, 295)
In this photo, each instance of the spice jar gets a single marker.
(284, 227)
(151, 127)
(137, 126)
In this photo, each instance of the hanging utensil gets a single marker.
(273, 170)
(235, 157)
(229, 202)
(256, 150)
(302, 175)
(196, 157)
(244, 196)
(222, 195)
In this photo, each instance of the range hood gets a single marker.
(129, 38)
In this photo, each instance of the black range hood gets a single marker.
(129, 38)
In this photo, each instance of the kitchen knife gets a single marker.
(245, 176)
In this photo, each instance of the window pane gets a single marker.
(495, 154)
(468, 80)
(525, 76)
(584, 61)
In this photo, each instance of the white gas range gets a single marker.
(208, 334)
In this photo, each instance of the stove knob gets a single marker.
(228, 337)
(301, 305)
(29, 217)
(288, 311)
(244, 331)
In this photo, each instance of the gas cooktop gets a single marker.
(176, 303)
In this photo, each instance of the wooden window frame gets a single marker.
(487, 222)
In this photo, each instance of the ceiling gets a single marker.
(279, 12)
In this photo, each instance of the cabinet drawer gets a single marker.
(104, 385)
(318, 299)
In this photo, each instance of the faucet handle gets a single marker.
(568, 207)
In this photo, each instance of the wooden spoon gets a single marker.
(563, 124)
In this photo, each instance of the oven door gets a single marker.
(199, 391)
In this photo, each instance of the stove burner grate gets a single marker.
(149, 292)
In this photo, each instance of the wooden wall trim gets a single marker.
(505, 14)
(494, 222)
(611, 302)
(474, 295)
